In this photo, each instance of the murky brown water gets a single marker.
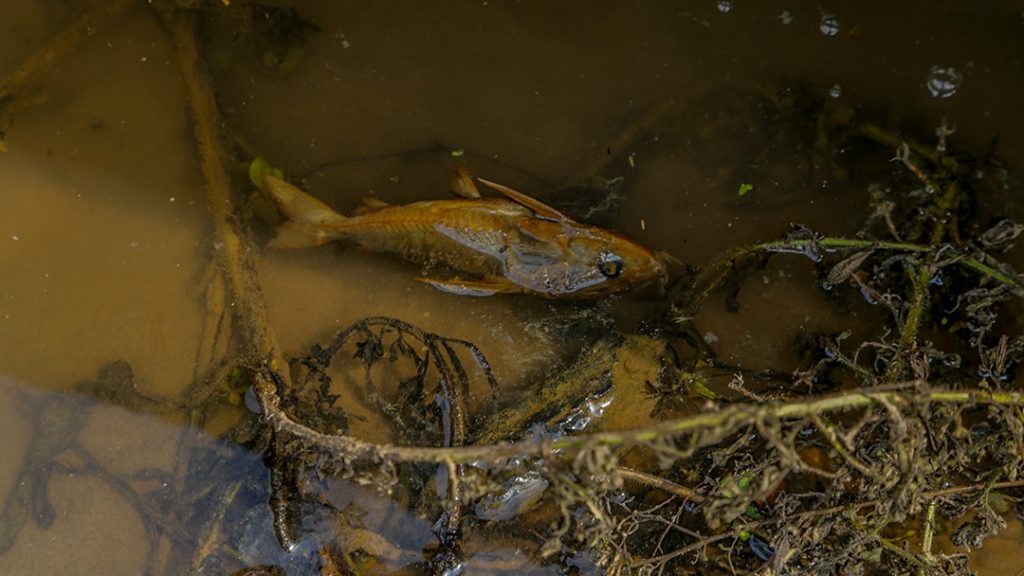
(104, 235)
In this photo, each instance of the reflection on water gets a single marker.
(652, 111)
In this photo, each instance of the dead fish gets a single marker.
(514, 244)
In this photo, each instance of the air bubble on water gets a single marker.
(835, 91)
(786, 18)
(943, 82)
(829, 25)
(724, 6)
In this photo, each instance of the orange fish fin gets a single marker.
(462, 184)
(370, 204)
(486, 286)
(665, 257)
(310, 221)
(541, 209)
(295, 234)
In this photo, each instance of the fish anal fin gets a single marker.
(310, 221)
(462, 184)
(541, 209)
(486, 286)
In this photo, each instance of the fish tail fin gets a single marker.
(310, 221)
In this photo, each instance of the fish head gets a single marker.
(613, 263)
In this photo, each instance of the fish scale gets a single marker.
(411, 231)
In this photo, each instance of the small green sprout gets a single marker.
(260, 167)
(699, 385)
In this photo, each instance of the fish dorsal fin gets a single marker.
(462, 184)
(541, 209)
(368, 204)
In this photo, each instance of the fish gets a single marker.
(512, 244)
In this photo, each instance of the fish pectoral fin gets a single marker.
(541, 209)
(486, 286)
(462, 184)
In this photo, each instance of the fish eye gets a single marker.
(610, 265)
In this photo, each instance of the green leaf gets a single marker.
(260, 167)
(746, 188)
(699, 385)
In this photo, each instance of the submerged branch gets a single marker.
(58, 47)
(232, 249)
(346, 448)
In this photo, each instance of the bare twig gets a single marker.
(660, 483)
(56, 49)
(731, 418)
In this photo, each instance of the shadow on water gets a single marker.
(177, 397)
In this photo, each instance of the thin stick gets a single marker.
(928, 533)
(232, 249)
(58, 48)
(661, 484)
(732, 417)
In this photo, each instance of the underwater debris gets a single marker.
(430, 409)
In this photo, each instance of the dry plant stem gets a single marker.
(213, 532)
(911, 323)
(752, 526)
(732, 417)
(886, 138)
(584, 376)
(872, 534)
(781, 246)
(834, 439)
(919, 283)
(928, 533)
(941, 212)
(660, 483)
(56, 49)
(713, 275)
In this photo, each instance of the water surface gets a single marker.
(105, 237)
